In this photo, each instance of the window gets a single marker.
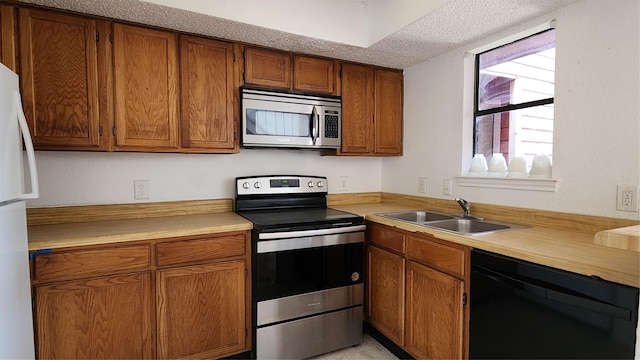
(514, 98)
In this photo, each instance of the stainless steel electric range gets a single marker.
(307, 267)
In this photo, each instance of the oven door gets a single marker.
(309, 273)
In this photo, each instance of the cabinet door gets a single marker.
(106, 317)
(385, 293)
(7, 37)
(314, 75)
(201, 310)
(146, 88)
(267, 68)
(434, 314)
(59, 78)
(207, 94)
(388, 112)
(357, 109)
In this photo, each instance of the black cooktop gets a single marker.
(300, 218)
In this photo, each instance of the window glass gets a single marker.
(514, 98)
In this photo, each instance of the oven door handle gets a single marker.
(302, 233)
(309, 241)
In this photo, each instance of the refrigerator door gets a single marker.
(16, 319)
(14, 129)
(16, 324)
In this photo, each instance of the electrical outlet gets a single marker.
(141, 189)
(422, 184)
(344, 183)
(627, 198)
(446, 187)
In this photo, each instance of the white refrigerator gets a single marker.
(16, 324)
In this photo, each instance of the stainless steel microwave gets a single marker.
(289, 120)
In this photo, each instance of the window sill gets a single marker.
(548, 185)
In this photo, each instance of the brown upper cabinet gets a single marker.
(315, 75)
(388, 112)
(8, 37)
(267, 68)
(59, 80)
(276, 69)
(371, 110)
(146, 88)
(93, 84)
(208, 106)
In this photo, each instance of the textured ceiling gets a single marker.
(456, 23)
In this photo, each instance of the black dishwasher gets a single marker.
(521, 310)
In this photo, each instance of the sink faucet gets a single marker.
(465, 205)
(466, 208)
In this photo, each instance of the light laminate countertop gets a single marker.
(567, 250)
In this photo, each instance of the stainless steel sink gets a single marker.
(418, 217)
(452, 223)
(469, 226)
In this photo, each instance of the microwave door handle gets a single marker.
(315, 124)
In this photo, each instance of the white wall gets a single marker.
(75, 178)
(597, 116)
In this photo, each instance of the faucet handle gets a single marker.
(465, 205)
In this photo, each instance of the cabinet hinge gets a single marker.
(97, 36)
(100, 130)
(464, 299)
(234, 57)
(243, 77)
(111, 37)
(244, 54)
(340, 74)
(113, 131)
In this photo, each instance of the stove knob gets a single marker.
(320, 184)
(245, 185)
(310, 184)
(257, 185)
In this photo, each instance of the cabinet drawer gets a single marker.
(431, 253)
(387, 238)
(209, 248)
(91, 263)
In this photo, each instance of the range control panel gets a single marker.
(280, 184)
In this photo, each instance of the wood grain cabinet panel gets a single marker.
(385, 293)
(78, 264)
(146, 88)
(434, 314)
(207, 249)
(433, 309)
(208, 109)
(59, 80)
(201, 310)
(357, 109)
(267, 68)
(8, 36)
(388, 238)
(314, 75)
(371, 111)
(447, 258)
(107, 317)
(388, 112)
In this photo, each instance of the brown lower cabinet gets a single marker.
(170, 298)
(416, 292)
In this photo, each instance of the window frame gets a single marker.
(468, 116)
(499, 109)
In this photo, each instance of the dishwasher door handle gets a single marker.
(559, 296)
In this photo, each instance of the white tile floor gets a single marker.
(369, 349)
